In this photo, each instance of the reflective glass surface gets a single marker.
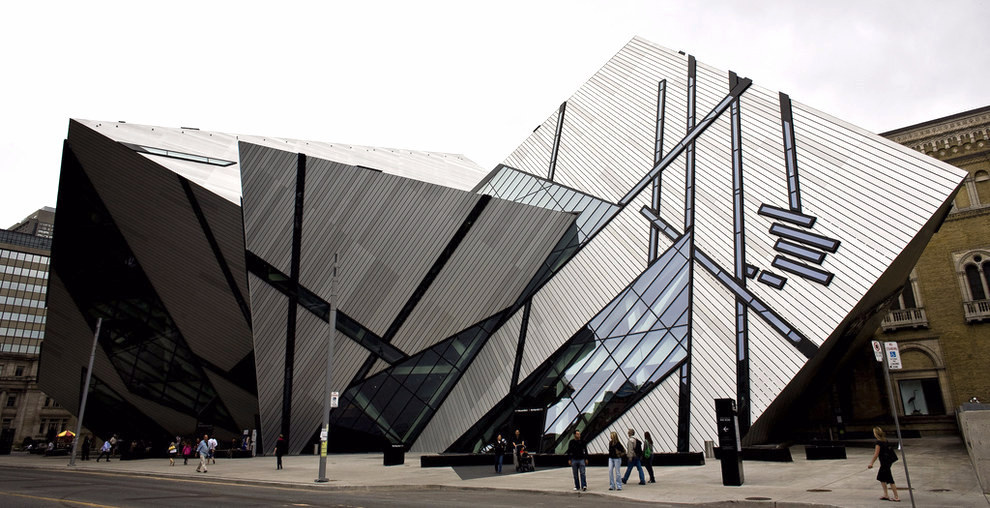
(395, 405)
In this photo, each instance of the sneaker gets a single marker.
(611, 488)
(575, 488)
(585, 489)
(642, 483)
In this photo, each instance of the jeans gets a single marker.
(615, 473)
(639, 467)
(498, 462)
(576, 465)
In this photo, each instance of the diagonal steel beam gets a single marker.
(796, 338)
(722, 107)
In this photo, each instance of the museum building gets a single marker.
(671, 234)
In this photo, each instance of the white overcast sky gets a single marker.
(459, 76)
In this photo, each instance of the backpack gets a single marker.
(638, 450)
(887, 453)
(648, 451)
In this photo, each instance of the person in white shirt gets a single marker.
(212, 443)
(104, 450)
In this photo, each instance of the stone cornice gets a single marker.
(954, 137)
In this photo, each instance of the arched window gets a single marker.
(974, 280)
(907, 311)
(982, 181)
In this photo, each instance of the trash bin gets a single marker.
(395, 454)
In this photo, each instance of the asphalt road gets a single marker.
(38, 488)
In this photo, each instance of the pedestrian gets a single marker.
(518, 444)
(104, 450)
(499, 449)
(213, 449)
(885, 452)
(186, 452)
(634, 454)
(173, 450)
(203, 449)
(615, 453)
(86, 444)
(648, 455)
(280, 446)
(577, 458)
(113, 445)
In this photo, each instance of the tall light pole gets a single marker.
(85, 393)
(325, 430)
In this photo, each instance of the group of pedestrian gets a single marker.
(638, 454)
(205, 449)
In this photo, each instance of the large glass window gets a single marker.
(629, 347)
(397, 403)
(921, 396)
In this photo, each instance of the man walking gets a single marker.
(577, 457)
(634, 453)
(104, 450)
(203, 449)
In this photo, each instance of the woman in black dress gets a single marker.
(883, 451)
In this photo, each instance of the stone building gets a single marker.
(941, 320)
(25, 410)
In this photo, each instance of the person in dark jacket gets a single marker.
(86, 445)
(280, 446)
(648, 455)
(499, 449)
(577, 458)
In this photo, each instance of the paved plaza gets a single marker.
(941, 474)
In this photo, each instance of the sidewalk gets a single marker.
(941, 474)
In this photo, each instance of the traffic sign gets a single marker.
(334, 399)
(878, 350)
(893, 356)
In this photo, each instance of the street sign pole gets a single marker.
(85, 393)
(893, 357)
(325, 430)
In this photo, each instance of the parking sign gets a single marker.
(893, 356)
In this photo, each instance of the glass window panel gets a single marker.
(668, 365)
(557, 426)
(391, 412)
(677, 306)
(626, 302)
(598, 320)
(632, 316)
(591, 389)
(544, 199)
(662, 289)
(411, 416)
(626, 345)
(611, 387)
(653, 349)
(390, 386)
(441, 391)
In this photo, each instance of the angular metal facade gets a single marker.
(671, 234)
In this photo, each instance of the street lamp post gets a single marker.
(325, 430)
(85, 392)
